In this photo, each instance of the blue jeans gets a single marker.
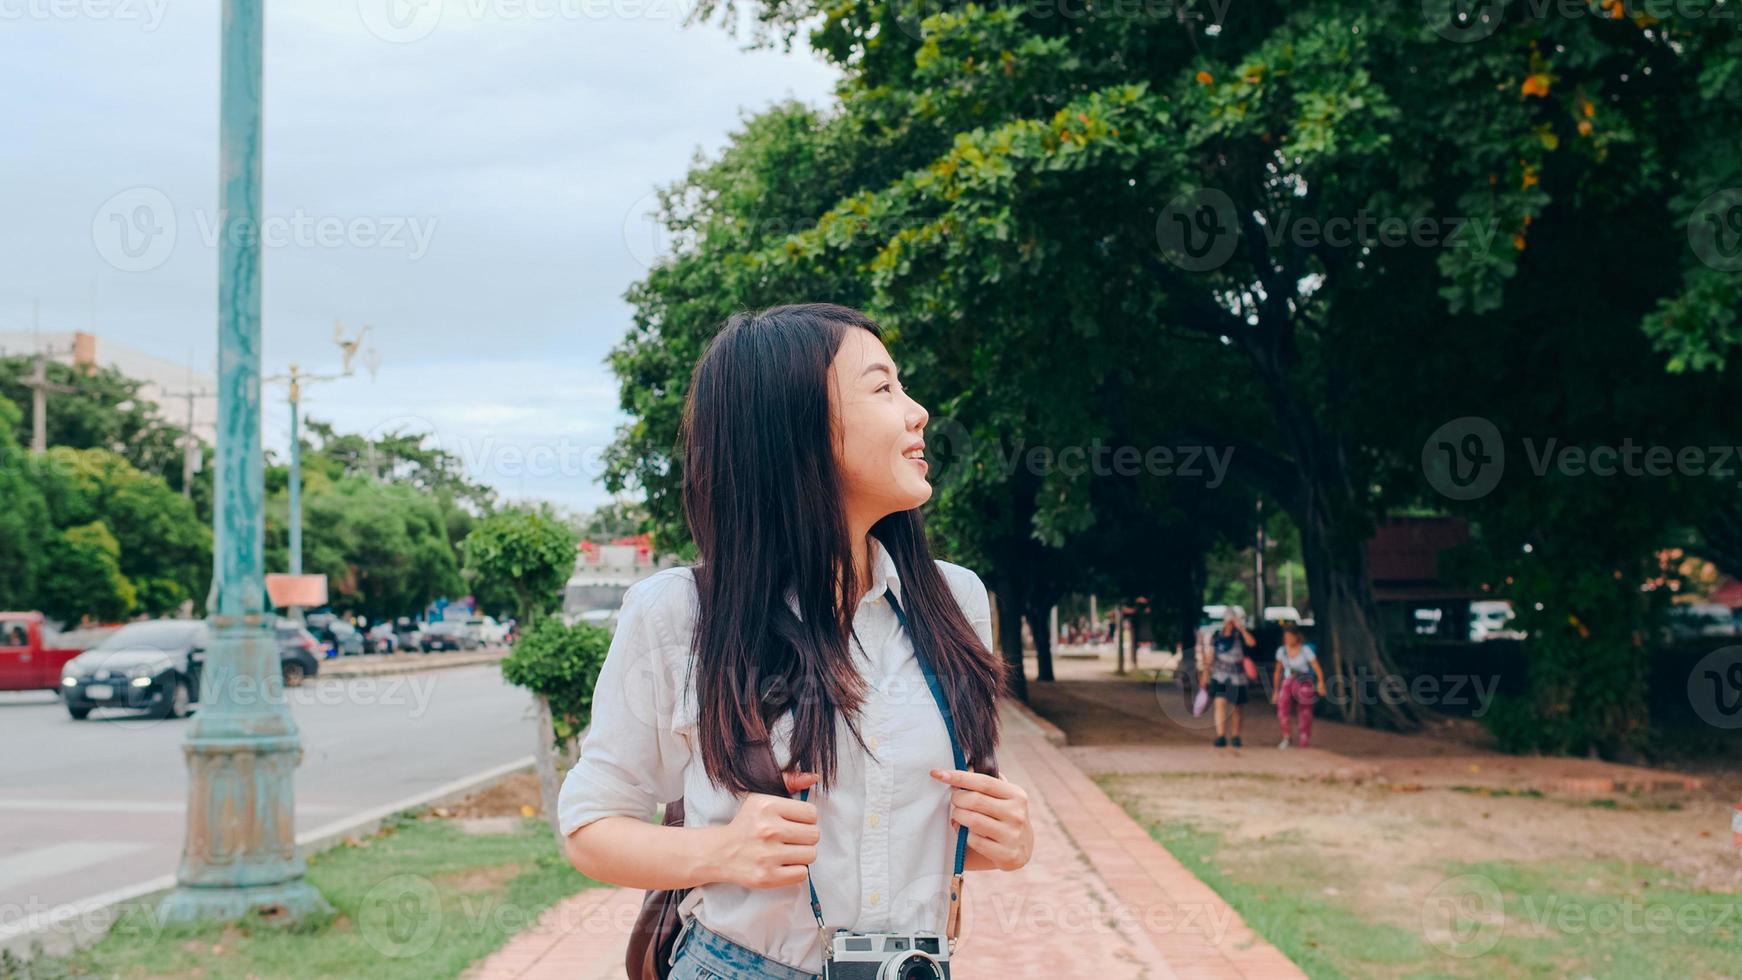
(703, 954)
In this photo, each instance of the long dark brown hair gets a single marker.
(763, 496)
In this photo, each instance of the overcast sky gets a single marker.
(469, 177)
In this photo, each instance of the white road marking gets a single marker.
(59, 859)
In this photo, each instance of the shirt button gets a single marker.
(873, 743)
(875, 897)
(873, 820)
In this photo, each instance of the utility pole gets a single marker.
(190, 444)
(294, 382)
(243, 747)
(40, 386)
(1258, 568)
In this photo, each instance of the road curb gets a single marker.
(74, 925)
(338, 668)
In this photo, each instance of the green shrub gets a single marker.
(560, 663)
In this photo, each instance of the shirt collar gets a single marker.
(883, 576)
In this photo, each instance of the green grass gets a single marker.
(1494, 919)
(421, 900)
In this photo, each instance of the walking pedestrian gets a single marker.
(771, 660)
(1229, 683)
(1297, 682)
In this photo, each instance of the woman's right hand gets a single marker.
(772, 840)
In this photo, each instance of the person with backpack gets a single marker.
(816, 693)
(1230, 674)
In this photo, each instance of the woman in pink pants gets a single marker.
(1297, 681)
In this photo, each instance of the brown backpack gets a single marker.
(652, 939)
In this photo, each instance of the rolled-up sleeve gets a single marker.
(632, 758)
(979, 611)
(977, 606)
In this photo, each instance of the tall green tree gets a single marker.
(84, 578)
(527, 554)
(382, 546)
(1026, 187)
(164, 548)
(23, 517)
(101, 408)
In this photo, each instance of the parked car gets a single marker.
(606, 618)
(408, 634)
(32, 653)
(343, 639)
(299, 652)
(1701, 620)
(487, 630)
(1281, 614)
(448, 634)
(1213, 616)
(1490, 619)
(152, 665)
(381, 638)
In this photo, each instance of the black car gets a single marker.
(448, 634)
(409, 635)
(154, 666)
(151, 666)
(299, 653)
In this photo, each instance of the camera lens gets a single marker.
(918, 967)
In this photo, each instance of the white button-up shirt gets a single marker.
(886, 851)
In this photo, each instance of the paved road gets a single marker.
(91, 806)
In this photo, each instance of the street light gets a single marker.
(295, 381)
(242, 748)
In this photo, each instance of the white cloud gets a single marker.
(521, 143)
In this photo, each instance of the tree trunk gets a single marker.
(1332, 515)
(1039, 624)
(545, 756)
(1372, 690)
(1007, 623)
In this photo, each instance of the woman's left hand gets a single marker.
(995, 811)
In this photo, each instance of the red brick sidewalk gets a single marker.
(1100, 899)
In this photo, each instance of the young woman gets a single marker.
(803, 475)
(1223, 662)
(1295, 680)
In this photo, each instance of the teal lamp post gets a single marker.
(242, 747)
(295, 381)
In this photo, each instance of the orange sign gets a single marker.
(307, 591)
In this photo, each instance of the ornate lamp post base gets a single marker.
(291, 900)
(242, 751)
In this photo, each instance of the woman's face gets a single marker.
(878, 435)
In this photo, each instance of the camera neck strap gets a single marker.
(953, 922)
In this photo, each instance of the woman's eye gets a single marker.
(885, 386)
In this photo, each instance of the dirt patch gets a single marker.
(490, 879)
(509, 797)
(1386, 811)
(1405, 837)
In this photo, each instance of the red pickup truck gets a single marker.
(31, 653)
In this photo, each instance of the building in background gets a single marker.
(165, 382)
(603, 572)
